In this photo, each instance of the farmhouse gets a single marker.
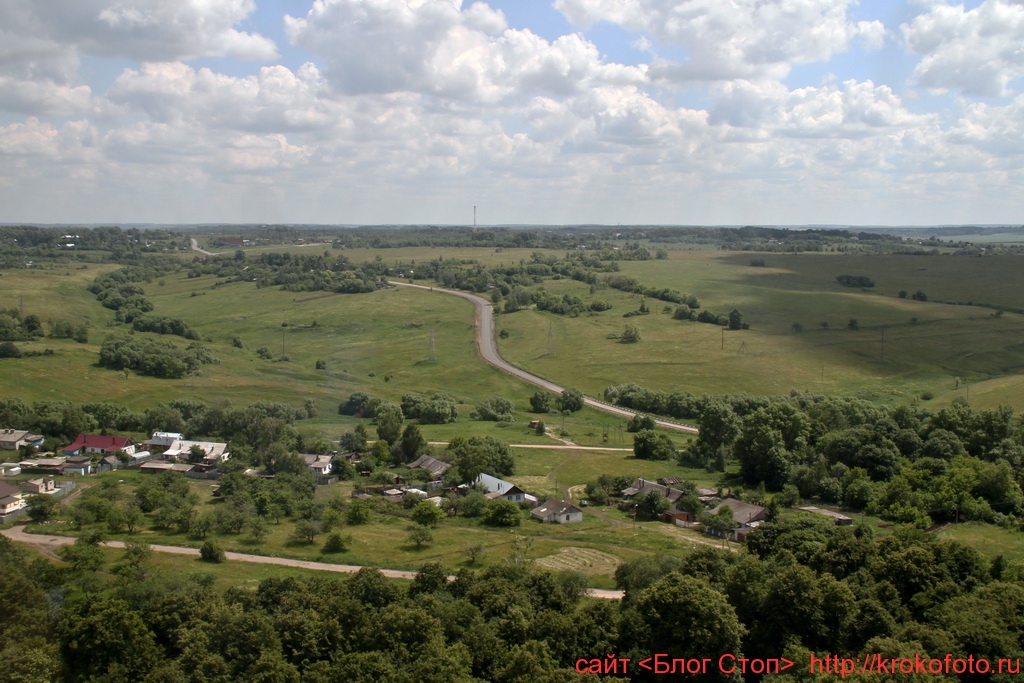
(11, 499)
(161, 441)
(498, 488)
(78, 464)
(104, 445)
(436, 467)
(641, 487)
(214, 452)
(743, 513)
(13, 439)
(557, 511)
(320, 465)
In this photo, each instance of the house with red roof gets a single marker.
(104, 445)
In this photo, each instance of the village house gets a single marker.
(436, 467)
(161, 441)
(746, 517)
(214, 451)
(498, 488)
(641, 487)
(40, 486)
(11, 499)
(557, 512)
(13, 439)
(78, 464)
(320, 465)
(96, 443)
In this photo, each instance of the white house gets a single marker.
(214, 452)
(557, 511)
(499, 488)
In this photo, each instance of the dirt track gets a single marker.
(489, 352)
(47, 544)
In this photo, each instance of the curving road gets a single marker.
(47, 544)
(489, 351)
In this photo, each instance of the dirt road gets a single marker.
(47, 544)
(489, 352)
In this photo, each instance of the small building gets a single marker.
(161, 441)
(214, 452)
(40, 486)
(742, 513)
(78, 464)
(99, 444)
(840, 520)
(320, 465)
(641, 487)
(557, 512)
(44, 465)
(11, 499)
(676, 516)
(10, 469)
(436, 467)
(13, 439)
(108, 463)
(154, 467)
(499, 488)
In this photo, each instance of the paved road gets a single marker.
(47, 544)
(489, 351)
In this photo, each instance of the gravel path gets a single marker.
(489, 351)
(47, 544)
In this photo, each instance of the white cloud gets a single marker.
(726, 39)
(147, 30)
(976, 52)
(435, 47)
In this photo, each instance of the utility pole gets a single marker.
(474, 216)
(282, 342)
(883, 343)
(723, 338)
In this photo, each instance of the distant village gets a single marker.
(170, 451)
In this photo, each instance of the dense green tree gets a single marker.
(413, 443)
(389, 422)
(689, 619)
(427, 514)
(541, 401)
(651, 445)
(495, 409)
(501, 512)
(571, 399)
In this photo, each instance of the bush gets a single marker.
(571, 400)
(9, 350)
(338, 543)
(211, 552)
(496, 409)
(501, 512)
(321, 365)
(540, 402)
(630, 335)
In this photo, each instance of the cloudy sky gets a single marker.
(536, 111)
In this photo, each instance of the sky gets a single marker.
(677, 112)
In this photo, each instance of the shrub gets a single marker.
(496, 409)
(338, 543)
(211, 552)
